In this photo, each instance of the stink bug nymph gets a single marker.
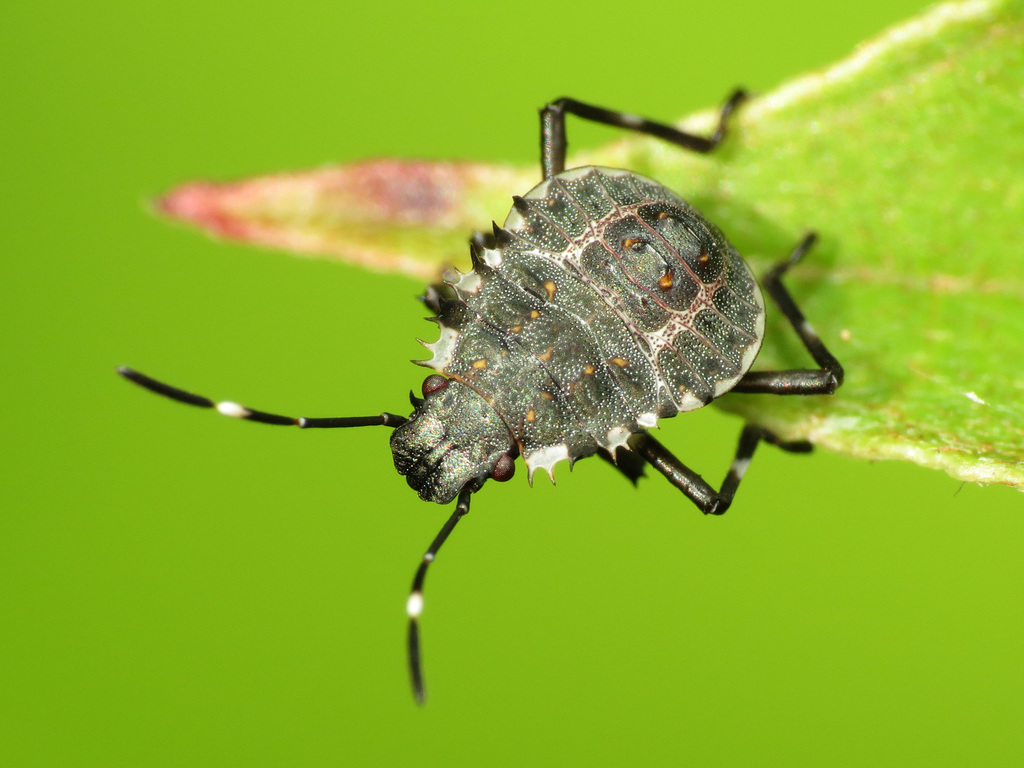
(604, 304)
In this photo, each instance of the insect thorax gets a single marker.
(608, 303)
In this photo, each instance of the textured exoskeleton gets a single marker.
(606, 303)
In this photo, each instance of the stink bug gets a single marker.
(604, 304)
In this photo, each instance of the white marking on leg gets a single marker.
(414, 606)
(805, 327)
(739, 466)
(234, 410)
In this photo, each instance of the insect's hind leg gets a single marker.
(697, 489)
(799, 381)
(553, 143)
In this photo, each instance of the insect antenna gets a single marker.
(414, 606)
(237, 411)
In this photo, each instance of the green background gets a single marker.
(180, 590)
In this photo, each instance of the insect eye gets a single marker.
(504, 468)
(434, 383)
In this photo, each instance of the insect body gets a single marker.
(603, 304)
(607, 303)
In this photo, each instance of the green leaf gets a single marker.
(908, 160)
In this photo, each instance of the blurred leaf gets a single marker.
(907, 158)
(388, 215)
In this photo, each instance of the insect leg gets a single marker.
(414, 606)
(629, 463)
(708, 500)
(241, 412)
(552, 128)
(799, 381)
